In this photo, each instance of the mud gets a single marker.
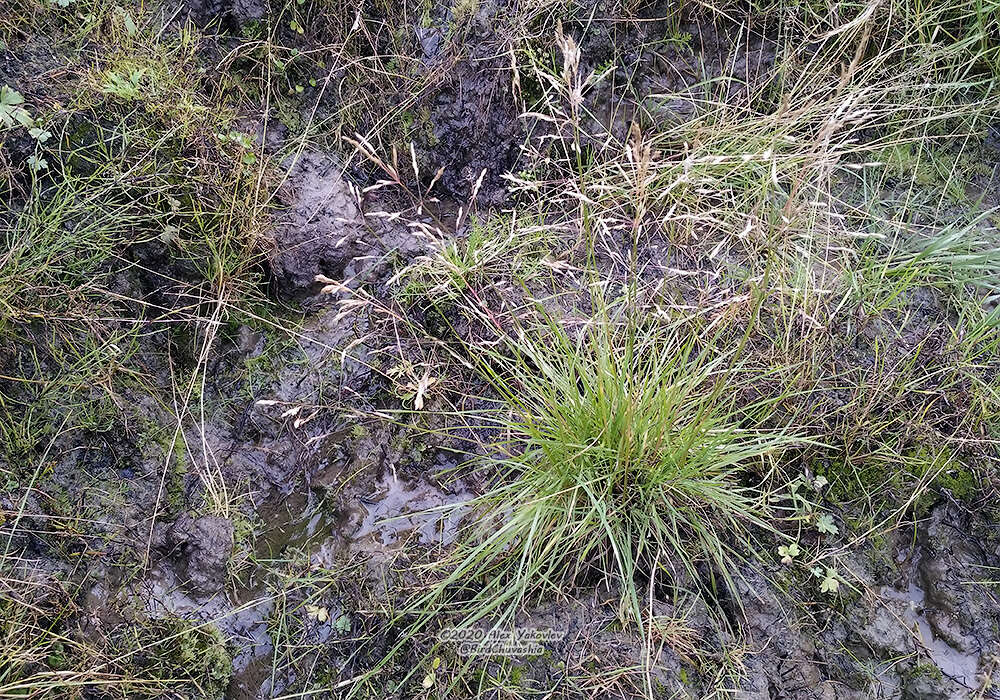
(321, 229)
(329, 491)
(475, 126)
(198, 549)
(664, 70)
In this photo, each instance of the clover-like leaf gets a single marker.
(789, 552)
(9, 97)
(11, 111)
(318, 613)
(343, 624)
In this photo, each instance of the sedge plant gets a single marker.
(629, 451)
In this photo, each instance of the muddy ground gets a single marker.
(295, 584)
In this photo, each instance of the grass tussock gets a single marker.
(629, 455)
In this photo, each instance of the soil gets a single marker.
(342, 495)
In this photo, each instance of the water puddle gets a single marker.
(295, 521)
(390, 514)
(392, 511)
(395, 513)
(377, 518)
(955, 664)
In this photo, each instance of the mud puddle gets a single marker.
(376, 521)
(393, 512)
(295, 521)
(959, 666)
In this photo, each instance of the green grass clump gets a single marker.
(491, 249)
(629, 451)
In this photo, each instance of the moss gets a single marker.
(287, 110)
(923, 504)
(426, 125)
(58, 660)
(924, 670)
(952, 475)
(426, 21)
(516, 675)
(960, 480)
(931, 167)
(846, 481)
(407, 119)
(196, 653)
(882, 480)
(465, 9)
(252, 29)
(245, 528)
(278, 350)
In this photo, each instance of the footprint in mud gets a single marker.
(319, 228)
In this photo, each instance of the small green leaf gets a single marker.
(343, 624)
(830, 583)
(10, 97)
(130, 27)
(170, 234)
(11, 112)
(788, 553)
(825, 524)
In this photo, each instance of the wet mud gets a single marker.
(330, 487)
